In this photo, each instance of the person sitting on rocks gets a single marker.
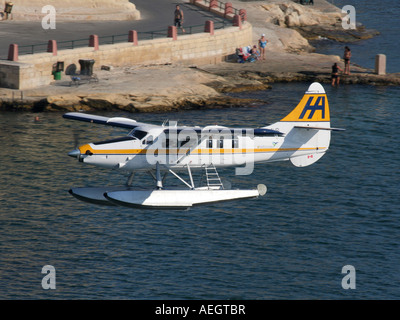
(255, 53)
(241, 56)
(245, 54)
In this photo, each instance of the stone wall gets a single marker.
(35, 70)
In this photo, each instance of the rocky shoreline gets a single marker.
(139, 89)
(136, 89)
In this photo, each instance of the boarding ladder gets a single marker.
(213, 179)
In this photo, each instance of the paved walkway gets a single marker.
(156, 15)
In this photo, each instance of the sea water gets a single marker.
(376, 15)
(290, 244)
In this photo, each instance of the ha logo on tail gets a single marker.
(307, 127)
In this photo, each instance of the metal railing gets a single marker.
(32, 48)
(221, 6)
(113, 39)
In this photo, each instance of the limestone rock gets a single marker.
(63, 102)
(69, 10)
(283, 39)
(291, 14)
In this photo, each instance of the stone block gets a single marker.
(380, 64)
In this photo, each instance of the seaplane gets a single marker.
(302, 137)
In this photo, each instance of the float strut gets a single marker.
(158, 177)
(130, 179)
(190, 175)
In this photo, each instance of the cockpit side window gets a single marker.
(148, 140)
(138, 134)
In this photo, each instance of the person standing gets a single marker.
(178, 18)
(346, 57)
(262, 43)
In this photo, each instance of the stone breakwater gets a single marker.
(155, 88)
(165, 87)
(146, 88)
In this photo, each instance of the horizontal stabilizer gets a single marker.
(306, 160)
(320, 128)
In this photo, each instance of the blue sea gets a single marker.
(290, 244)
(376, 15)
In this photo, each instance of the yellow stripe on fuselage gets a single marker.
(85, 148)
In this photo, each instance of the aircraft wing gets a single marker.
(115, 121)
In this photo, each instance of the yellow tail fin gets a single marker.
(313, 107)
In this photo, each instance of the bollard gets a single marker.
(380, 64)
(237, 21)
(172, 32)
(243, 14)
(209, 27)
(13, 52)
(52, 47)
(133, 37)
(94, 41)
(213, 4)
(228, 9)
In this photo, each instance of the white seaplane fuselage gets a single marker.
(302, 137)
(144, 146)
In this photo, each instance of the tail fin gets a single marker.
(307, 127)
(313, 107)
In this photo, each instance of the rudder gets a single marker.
(313, 107)
(307, 127)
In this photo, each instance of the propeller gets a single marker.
(76, 139)
(76, 152)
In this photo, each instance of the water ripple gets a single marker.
(290, 244)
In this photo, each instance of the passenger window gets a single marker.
(165, 143)
(235, 143)
(182, 143)
(209, 143)
(221, 143)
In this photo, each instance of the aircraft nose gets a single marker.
(74, 153)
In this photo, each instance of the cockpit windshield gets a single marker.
(138, 134)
